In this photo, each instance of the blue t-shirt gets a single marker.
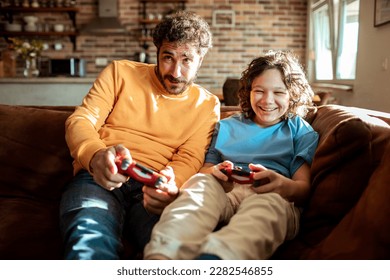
(282, 147)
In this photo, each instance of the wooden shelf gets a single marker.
(145, 39)
(9, 12)
(146, 24)
(31, 34)
(164, 1)
(149, 21)
(39, 10)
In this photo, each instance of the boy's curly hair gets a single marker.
(184, 27)
(301, 94)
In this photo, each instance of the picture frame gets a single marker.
(224, 18)
(381, 12)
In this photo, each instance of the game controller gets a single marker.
(238, 175)
(141, 174)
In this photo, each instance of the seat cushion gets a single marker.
(29, 229)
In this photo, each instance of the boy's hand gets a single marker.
(222, 178)
(295, 189)
(156, 199)
(274, 181)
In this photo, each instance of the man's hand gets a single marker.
(156, 199)
(104, 169)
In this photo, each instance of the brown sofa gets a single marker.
(347, 216)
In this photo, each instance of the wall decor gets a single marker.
(224, 18)
(382, 12)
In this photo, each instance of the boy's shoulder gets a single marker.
(299, 125)
(239, 116)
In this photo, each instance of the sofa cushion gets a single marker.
(343, 149)
(42, 164)
(346, 166)
(351, 147)
(29, 229)
(364, 232)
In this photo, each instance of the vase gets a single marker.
(31, 70)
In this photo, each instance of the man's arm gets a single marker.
(83, 125)
(190, 156)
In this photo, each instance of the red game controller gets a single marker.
(238, 175)
(141, 174)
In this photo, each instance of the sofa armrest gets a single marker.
(351, 148)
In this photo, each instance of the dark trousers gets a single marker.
(95, 221)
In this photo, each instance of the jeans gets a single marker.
(94, 221)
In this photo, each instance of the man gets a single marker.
(154, 115)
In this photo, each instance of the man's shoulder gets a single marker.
(205, 93)
(131, 63)
(207, 103)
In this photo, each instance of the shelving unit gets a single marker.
(9, 12)
(147, 24)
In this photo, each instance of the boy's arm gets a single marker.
(207, 168)
(294, 190)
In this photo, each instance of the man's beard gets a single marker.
(176, 90)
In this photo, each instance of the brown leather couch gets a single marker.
(347, 216)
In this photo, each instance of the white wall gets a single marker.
(372, 85)
(48, 91)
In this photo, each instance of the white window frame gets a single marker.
(335, 10)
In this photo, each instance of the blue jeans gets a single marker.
(94, 221)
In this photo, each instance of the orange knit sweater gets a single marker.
(128, 105)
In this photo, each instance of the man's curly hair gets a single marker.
(184, 27)
(293, 76)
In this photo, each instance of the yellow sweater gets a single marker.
(128, 105)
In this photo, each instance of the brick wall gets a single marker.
(258, 25)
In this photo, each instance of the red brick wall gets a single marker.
(259, 25)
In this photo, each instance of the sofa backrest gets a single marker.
(34, 158)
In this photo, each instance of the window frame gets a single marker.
(335, 14)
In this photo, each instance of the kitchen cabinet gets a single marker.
(9, 13)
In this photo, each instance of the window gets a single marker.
(333, 40)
